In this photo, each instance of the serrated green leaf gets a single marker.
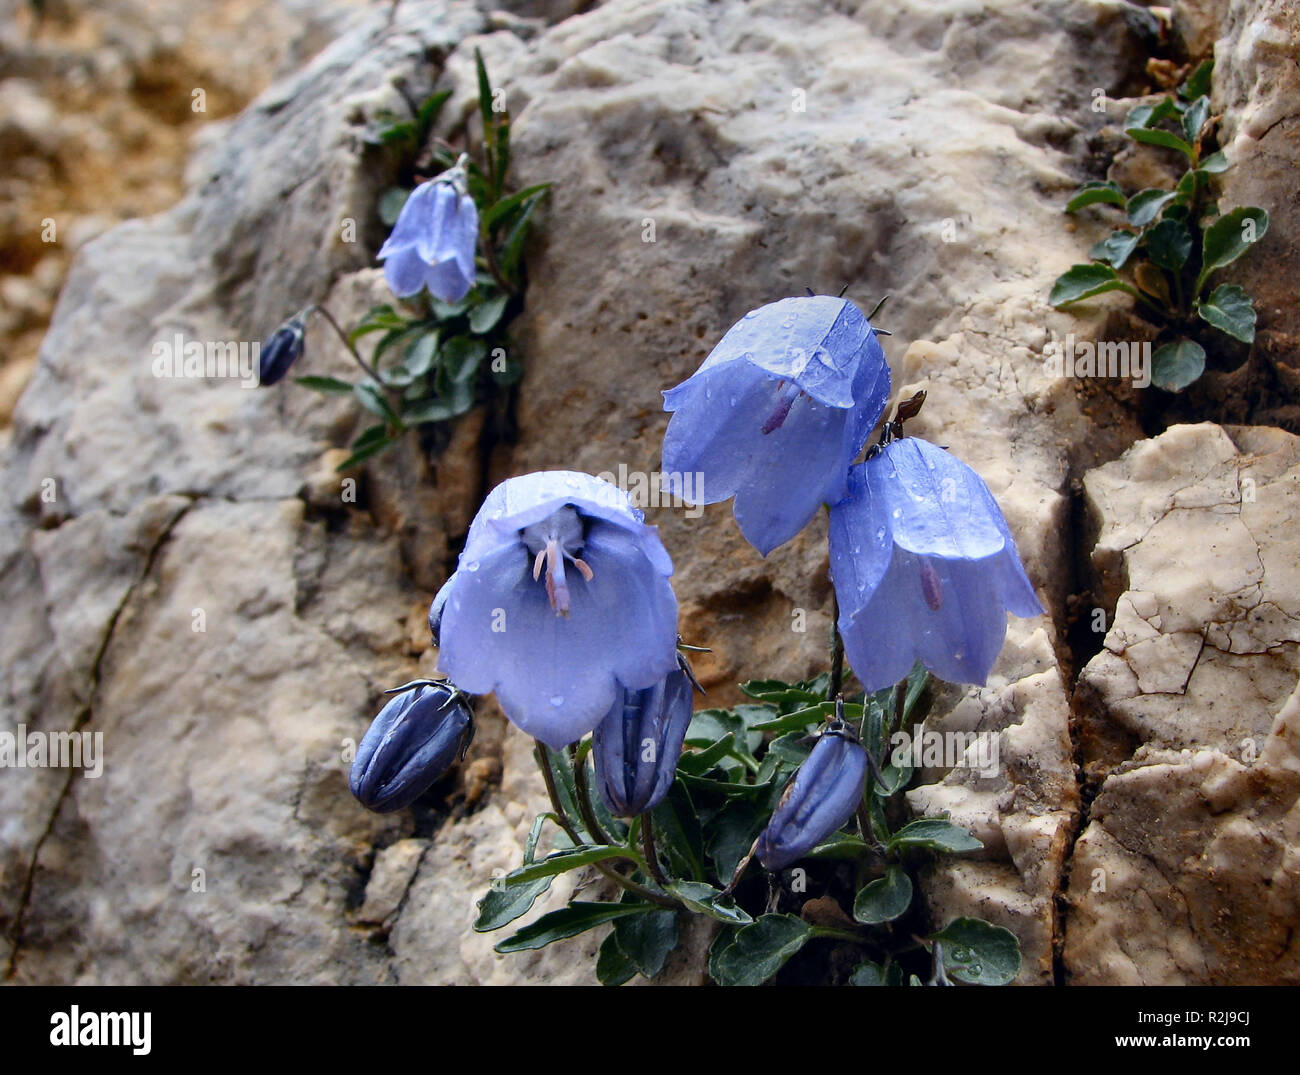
(1168, 244)
(760, 950)
(1176, 365)
(1229, 237)
(1230, 310)
(885, 898)
(730, 835)
(979, 952)
(576, 918)
(1145, 205)
(1083, 282)
(937, 834)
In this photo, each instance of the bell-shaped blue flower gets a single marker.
(636, 746)
(924, 566)
(560, 603)
(414, 740)
(777, 414)
(822, 796)
(432, 244)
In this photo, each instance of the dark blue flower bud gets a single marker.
(636, 747)
(281, 351)
(412, 742)
(823, 795)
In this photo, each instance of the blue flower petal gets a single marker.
(404, 272)
(557, 676)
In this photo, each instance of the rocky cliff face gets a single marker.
(192, 583)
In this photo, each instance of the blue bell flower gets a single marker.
(823, 794)
(281, 351)
(414, 740)
(636, 746)
(560, 603)
(432, 244)
(924, 566)
(777, 413)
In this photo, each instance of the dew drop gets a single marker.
(472, 566)
(898, 512)
(557, 700)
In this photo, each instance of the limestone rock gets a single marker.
(1184, 873)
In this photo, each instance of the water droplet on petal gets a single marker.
(557, 700)
(898, 512)
(472, 566)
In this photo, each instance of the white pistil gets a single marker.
(552, 541)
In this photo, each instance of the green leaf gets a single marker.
(378, 319)
(503, 904)
(707, 900)
(507, 205)
(840, 846)
(360, 455)
(1083, 282)
(935, 833)
(1195, 116)
(1153, 281)
(1230, 310)
(885, 898)
(1150, 115)
(613, 968)
(1229, 237)
(1176, 365)
(979, 952)
(1153, 136)
(867, 973)
(1216, 163)
(374, 401)
(562, 861)
(462, 356)
(648, 939)
(331, 386)
(484, 94)
(781, 694)
(1093, 194)
(731, 834)
(760, 950)
(1145, 205)
(484, 317)
(1197, 84)
(428, 112)
(577, 917)
(420, 355)
(1115, 248)
(699, 762)
(678, 827)
(513, 247)
(1168, 244)
(390, 204)
(443, 408)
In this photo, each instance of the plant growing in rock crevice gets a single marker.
(1174, 241)
(455, 263)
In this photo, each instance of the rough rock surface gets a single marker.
(762, 152)
(1186, 871)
